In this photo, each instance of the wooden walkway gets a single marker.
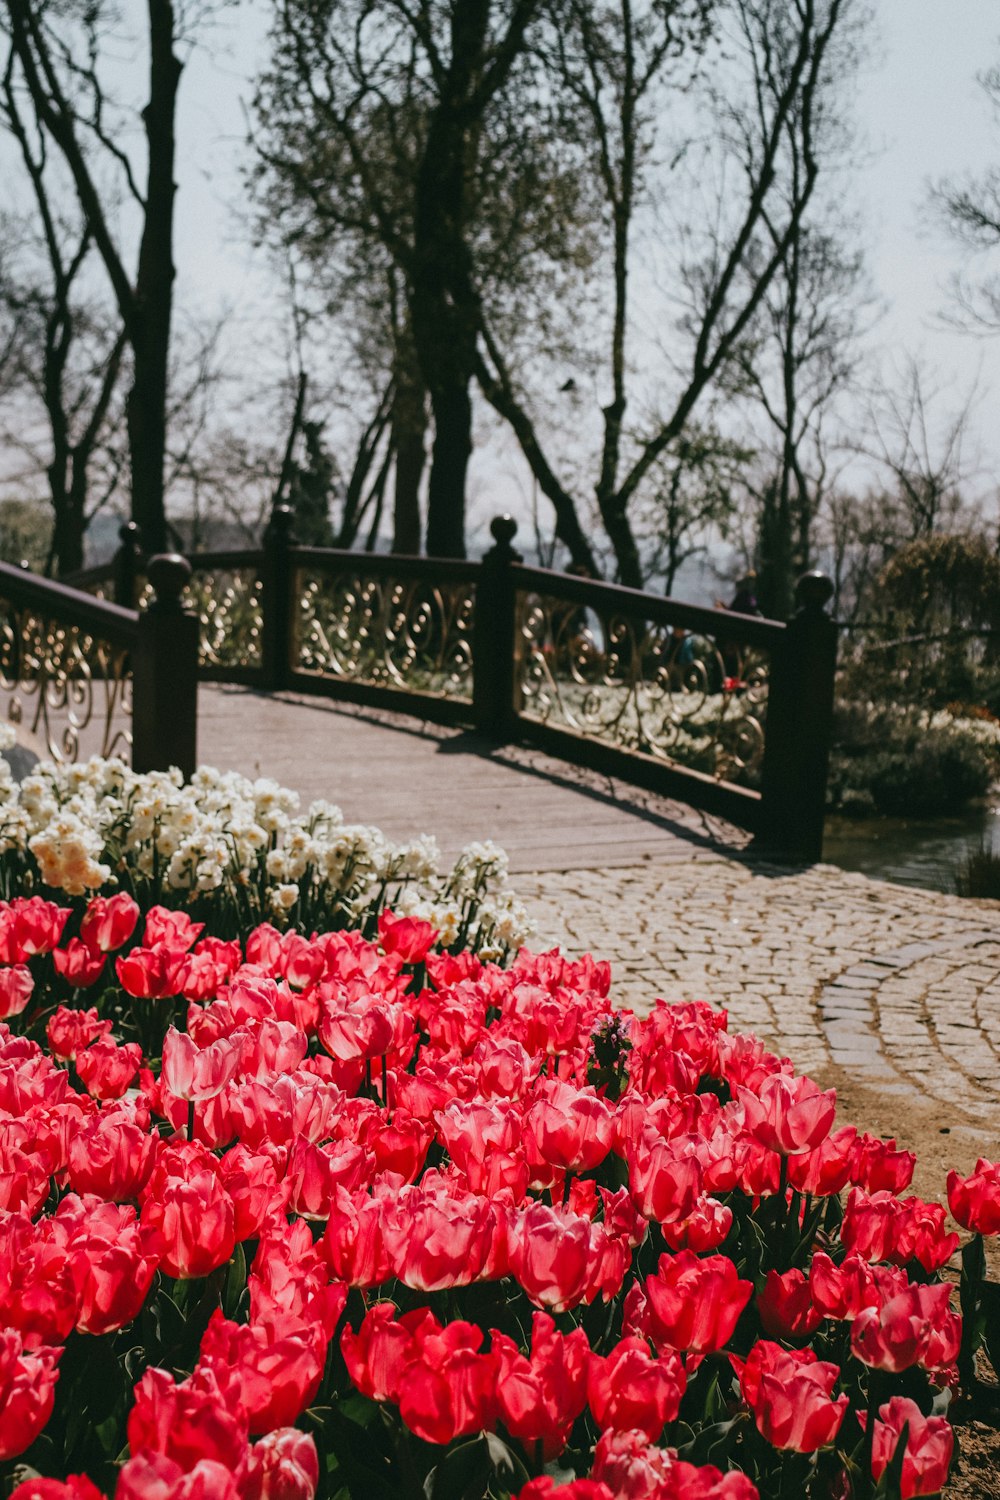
(410, 778)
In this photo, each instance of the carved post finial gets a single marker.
(814, 590)
(169, 574)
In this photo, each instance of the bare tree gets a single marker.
(391, 126)
(615, 63)
(56, 53)
(970, 208)
(924, 453)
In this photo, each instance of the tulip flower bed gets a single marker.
(347, 1215)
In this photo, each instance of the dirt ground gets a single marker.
(941, 1140)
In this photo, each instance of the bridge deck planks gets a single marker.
(409, 778)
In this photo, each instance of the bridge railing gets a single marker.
(729, 712)
(84, 675)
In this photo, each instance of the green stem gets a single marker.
(874, 1392)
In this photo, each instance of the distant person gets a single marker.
(743, 602)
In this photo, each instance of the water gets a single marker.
(912, 851)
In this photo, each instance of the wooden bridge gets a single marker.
(728, 713)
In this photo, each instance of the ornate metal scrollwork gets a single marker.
(411, 633)
(228, 606)
(683, 698)
(63, 684)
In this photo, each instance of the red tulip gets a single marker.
(170, 929)
(196, 1073)
(16, 985)
(788, 1114)
(251, 1181)
(106, 1070)
(378, 1353)
(880, 1167)
(315, 1172)
(73, 1487)
(78, 964)
(276, 1366)
(788, 1392)
(881, 1227)
(194, 1216)
(975, 1200)
(561, 1259)
(349, 1029)
(284, 1465)
(568, 1127)
(542, 1394)
(201, 1418)
(289, 1276)
(826, 1170)
(664, 1184)
(545, 1488)
(448, 1389)
(408, 938)
(68, 1031)
(109, 922)
(786, 1306)
(631, 1391)
(29, 926)
(842, 1291)
(633, 1470)
(929, 1444)
(151, 973)
(436, 1237)
(914, 1327)
(115, 1257)
(154, 1476)
(705, 1227)
(694, 1304)
(27, 1392)
(111, 1156)
(353, 1240)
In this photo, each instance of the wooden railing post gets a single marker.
(276, 598)
(127, 563)
(165, 673)
(799, 726)
(494, 672)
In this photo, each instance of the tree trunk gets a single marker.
(622, 538)
(154, 285)
(409, 431)
(452, 409)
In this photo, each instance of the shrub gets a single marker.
(902, 763)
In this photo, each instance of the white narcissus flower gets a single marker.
(222, 833)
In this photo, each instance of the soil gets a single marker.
(941, 1140)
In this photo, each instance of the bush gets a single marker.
(898, 763)
(937, 776)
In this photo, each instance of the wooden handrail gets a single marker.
(71, 606)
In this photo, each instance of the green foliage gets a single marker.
(25, 532)
(903, 764)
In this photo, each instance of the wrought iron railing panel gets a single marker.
(408, 633)
(64, 684)
(687, 699)
(227, 601)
